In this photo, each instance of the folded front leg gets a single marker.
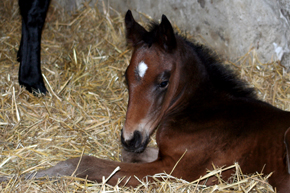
(94, 169)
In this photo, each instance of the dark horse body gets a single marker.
(199, 108)
(33, 14)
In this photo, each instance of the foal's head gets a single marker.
(151, 80)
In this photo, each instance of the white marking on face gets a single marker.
(142, 67)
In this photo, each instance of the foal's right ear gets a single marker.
(134, 31)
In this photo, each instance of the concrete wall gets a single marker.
(231, 28)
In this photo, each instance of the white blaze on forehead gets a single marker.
(141, 69)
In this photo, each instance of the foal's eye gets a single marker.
(163, 84)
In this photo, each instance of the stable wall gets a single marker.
(231, 28)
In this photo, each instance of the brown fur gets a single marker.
(198, 107)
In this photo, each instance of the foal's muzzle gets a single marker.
(135, 144)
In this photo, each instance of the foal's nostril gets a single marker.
(137, 139)
(135, 144)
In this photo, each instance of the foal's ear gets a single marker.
(134, 31)
(166, 33)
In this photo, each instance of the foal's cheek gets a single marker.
(159, 99)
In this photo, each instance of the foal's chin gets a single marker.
(137, 144)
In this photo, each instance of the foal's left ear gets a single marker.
(166, 34)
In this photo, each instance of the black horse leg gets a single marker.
(33, 14)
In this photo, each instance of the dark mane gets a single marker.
(221, 77)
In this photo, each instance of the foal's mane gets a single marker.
(220, 77)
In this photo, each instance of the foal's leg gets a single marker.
(150, 154)
(33, 14)
(94, 169)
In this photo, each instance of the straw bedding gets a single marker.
(84, 56)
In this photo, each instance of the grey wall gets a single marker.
(231, 28)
